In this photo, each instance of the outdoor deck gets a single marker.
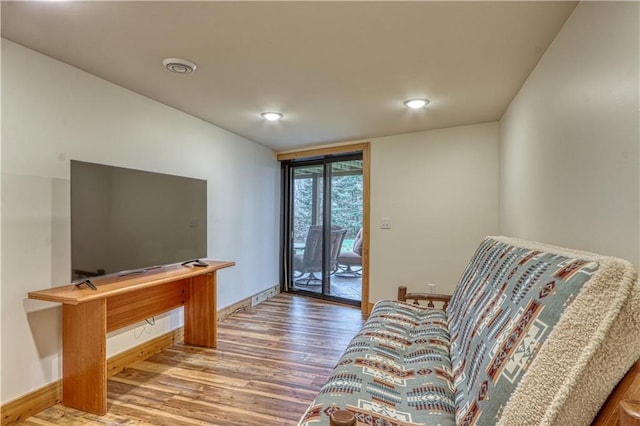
(343, 287)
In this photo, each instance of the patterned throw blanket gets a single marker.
(396, 371)
(534, 334)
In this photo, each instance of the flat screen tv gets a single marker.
(125, 221)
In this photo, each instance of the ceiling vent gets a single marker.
(180, 66)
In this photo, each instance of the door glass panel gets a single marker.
(346, 215)
(307, 227)
(325, 251)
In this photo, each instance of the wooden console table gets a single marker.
(88, 315)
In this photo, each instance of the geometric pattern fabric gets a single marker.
(395, 371)
(503, 309)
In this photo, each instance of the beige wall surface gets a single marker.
(439, 188)
(52, 113)
(569, 156)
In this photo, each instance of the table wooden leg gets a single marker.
(200, 312)
(84, 368)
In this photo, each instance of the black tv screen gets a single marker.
(125, 220)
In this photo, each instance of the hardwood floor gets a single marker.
(270, 363)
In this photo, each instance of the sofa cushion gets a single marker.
(349, 258)
(396, 370)
(529, 328)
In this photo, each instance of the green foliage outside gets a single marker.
(346, 206)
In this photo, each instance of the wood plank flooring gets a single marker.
(270, 362)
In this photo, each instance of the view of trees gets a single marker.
(346, 205)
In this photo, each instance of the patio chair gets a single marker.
(350, 262)
(310, 262)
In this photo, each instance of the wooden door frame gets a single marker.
(363, 147)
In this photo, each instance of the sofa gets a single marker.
(533, 335)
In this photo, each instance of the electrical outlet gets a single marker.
(385, 223)
(431, 288)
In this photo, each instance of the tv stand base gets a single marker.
(88, 315)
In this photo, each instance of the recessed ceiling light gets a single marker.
(416, 103)
(272, 116)
(179, 66)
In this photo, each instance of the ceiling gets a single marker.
(338, 71)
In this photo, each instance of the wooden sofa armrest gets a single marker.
(403, 296)
(342, 418)
(623, 401)
(629, 412)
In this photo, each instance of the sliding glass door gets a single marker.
(323, 227)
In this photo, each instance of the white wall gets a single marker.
(52, 113)
(570, 138)
(440, 190)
